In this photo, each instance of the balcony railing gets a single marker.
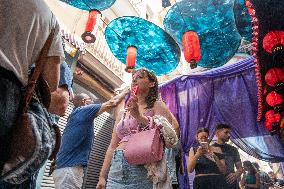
(134, 4)
(101, 51)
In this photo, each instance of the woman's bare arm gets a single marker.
(160, 108)
(108, 156)
(51, 72)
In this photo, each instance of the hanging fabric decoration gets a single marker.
(191, 48)
(249, 6)
(166, 3)
(254, 51)
(131, 59)
(273, 42)
(87, 36)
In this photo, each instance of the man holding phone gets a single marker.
(232, 156)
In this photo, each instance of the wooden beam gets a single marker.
(90, 82)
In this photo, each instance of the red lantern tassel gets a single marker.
(87, 36)
(131, 59)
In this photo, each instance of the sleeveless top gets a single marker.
(207, 166)
(250, 179)
(128, 125)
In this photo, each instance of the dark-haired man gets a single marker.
(232, 156)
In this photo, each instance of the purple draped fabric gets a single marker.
(226, 94)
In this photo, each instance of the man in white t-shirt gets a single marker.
(25, 27)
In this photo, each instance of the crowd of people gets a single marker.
(217, 165)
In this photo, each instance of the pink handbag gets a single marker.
(145, 146)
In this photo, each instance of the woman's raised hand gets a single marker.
(201, 151)
(133, 107)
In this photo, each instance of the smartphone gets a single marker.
(134, 90)
(204, 145)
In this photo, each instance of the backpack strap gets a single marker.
(39, 65)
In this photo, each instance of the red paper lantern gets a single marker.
(277, 117)
(131, 58)
(272, 127)
(191, 48)
(272, 122)
(268, 125)
(273, 41)
(87, 36)
(273, 99)
(270, 116)
(273, 76)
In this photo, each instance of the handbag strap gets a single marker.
(39, 65)
(149, 126)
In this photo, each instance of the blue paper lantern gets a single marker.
(156, 49)
(213, 21)
(90, 4)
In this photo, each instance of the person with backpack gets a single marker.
(25, 27)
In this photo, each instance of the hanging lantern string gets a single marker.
(111, 28)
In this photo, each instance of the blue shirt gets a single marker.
(66, 76)
(78, 136)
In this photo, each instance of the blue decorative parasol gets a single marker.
(213, 21)
(156, 49)
(90, 4)
(243, 19)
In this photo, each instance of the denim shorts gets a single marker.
(122, 175)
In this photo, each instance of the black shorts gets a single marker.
(234, 185)
(209, 182)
